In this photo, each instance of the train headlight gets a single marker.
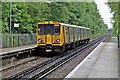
(56, 41)
(40, 40)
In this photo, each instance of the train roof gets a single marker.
(68, 25)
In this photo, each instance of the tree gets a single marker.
(115, 7)
(28, 14)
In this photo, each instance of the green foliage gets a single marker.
(115, 7)
(0, 16)
(29, 14)
(5, 17)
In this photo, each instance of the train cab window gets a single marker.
(40, 29)
(48, 29)
(56, 30)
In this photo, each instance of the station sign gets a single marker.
(16, 25)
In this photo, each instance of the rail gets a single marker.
(47, 67)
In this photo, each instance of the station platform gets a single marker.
(102, 62)
(4, 51)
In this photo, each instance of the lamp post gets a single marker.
(10, 22)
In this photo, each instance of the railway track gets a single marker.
(43, 69)
(21, 63)
(14, 68)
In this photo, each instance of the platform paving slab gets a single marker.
(101, 63)
(15, 49)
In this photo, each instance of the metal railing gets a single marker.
(17, 40)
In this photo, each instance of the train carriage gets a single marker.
(55, 36)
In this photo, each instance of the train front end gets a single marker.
(49, 36)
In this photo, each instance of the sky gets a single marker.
(104, 11)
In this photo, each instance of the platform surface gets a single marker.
(102, 62)
(15, 49)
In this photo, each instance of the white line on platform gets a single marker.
(76, 68)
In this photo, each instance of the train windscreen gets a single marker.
(44, 29)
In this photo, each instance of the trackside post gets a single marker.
(119, 41)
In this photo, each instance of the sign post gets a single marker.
(16, 25)
(10, 22)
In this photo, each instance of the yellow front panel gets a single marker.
(48, 39)
(56, 37)
(41, 37)
(51, 38)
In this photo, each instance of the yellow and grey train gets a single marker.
(55, 36)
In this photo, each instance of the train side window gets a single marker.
(40, 29)
(65, 29)
(57, 30)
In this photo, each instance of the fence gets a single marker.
(17, 40)
(0, 40)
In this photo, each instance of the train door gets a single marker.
(71, 34)
(66, 32)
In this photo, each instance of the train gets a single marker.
(57, 37)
